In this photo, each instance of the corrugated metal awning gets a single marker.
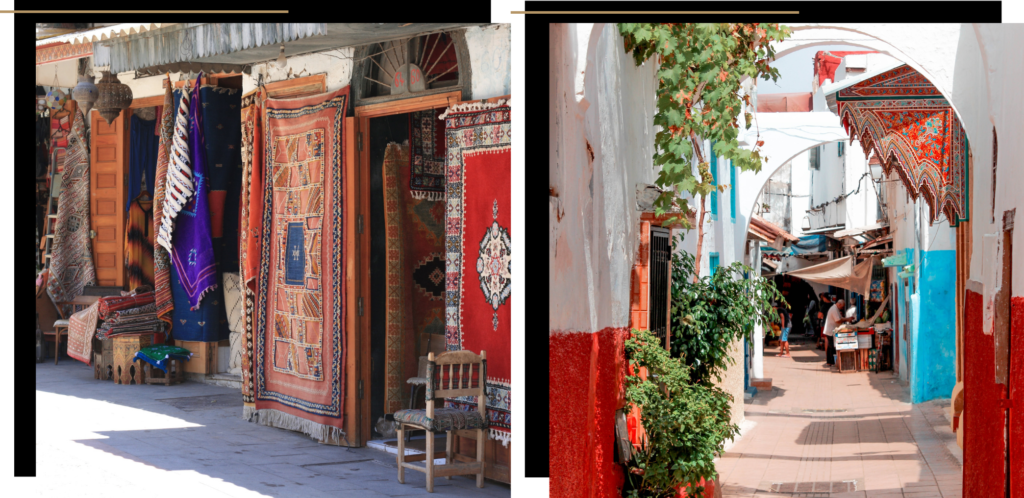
(101, 34)
(191, 42)
(248, 43)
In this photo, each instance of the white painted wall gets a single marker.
(800, 188)
(593, 219)
(490, 54)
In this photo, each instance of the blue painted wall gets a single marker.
(933, 353)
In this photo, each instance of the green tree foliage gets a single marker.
(708, 313)
(686, 423)
(701, 68)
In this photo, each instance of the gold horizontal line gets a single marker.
(144, 11)
(656, 12)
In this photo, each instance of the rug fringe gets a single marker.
(475, 106)
(430, 196)
(202, 295)
(504, 437)
(282, 420)
(248, 411)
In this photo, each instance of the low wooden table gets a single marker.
(125, 347)
(103, 358)
(175, 372)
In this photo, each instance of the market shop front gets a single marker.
(349, 214)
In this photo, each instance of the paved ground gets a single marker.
(95, 438)
(873, 442)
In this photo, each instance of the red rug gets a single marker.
(397, 324)
(300, 324)
(250, 209)
(478, 225)
(81, 329)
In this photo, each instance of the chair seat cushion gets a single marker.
(445, 419)
(62, 323)
(420, 381)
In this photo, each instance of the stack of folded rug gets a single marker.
(160, 354)
(111, 304)
(131, 320)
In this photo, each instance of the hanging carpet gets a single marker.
(250, 209)
(426, 159)
(138, 244)
(908, 124)
(416, 270)
(192, 249)
(300, 328)
(398, 325)
(161, 259)
(479, 256)
(71, 264)
(81, 329)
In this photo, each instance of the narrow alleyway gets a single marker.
(102, 439)
(823, 434)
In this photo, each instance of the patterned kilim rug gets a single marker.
(162, 260)
(250, 209)
(71, 264)
(81, 329)
(478, 227)
(426, 160)
(397, 324)
(300, 325)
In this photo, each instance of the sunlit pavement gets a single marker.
(95, 438)
(819, 433)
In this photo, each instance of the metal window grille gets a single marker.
(661, 254)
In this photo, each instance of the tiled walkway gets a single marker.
(819, 433)
(94, 438)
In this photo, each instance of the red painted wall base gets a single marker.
(586, 387)
(984, 446)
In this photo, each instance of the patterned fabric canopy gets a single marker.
(912, 128)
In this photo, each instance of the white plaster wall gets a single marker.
(336, 63)
(786, 135)
(490, 54)
(593, 218)
(800, 188)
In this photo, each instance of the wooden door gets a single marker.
(108, 164)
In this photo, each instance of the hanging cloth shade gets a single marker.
(840, 273)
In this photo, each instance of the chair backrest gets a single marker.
(456, 373)
(421, 371)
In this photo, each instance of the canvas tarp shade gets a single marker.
(840, 273)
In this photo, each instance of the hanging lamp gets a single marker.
(85, 93)
(56, 98)
(113, 96)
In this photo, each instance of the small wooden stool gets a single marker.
(125, 348)
(175, 372)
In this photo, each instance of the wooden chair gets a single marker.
(61, 326)
(442, 383)
(415, 383)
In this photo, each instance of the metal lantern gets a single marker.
(56, 99)
(85, 94)
(113, 96)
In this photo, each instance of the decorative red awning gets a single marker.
(56, 52)
(913, 130)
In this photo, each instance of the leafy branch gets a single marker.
(701, 67)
